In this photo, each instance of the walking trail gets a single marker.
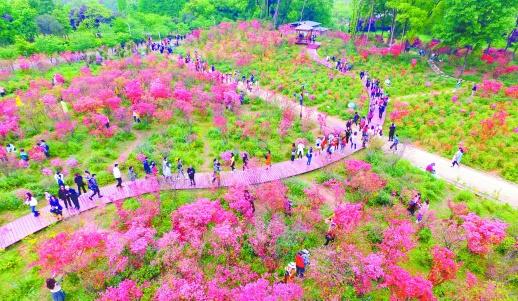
(28, 224)
(479, 182)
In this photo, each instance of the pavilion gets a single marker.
(307, 31)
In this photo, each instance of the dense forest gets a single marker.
(49, 26)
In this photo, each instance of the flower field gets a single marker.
(213, 245)
(97, 125)
(437, 117)
(369, 227)
(279, 65)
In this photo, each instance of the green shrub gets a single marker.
(424, 235)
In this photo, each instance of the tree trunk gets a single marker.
(392, 27)
(370, 17)
(405, 27)
(465, 63)
(276, 14)
(302, 11)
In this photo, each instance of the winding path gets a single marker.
(487, 185)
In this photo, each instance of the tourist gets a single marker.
(392, 131)
(414, 203)
(353, 140)
(356, 118)
(299, 262)
(136, 117)
(55, 289)
(250, 199)
(370, 115)
(191, 172)
(387, 82)
(166, 170)
(268, 159)
(331, 232)
(60, 179)
(23, 155)
(64, 196)
(10, 148)
(117, 175)
(55, 206)
(306, 256)
(146, 166)
(78, 179)
(74, 197)
(293, 152)
(245, 161)
(457, 157)
(216, 176)
(289, 272)
(431, 168)
(381, 110)
(2, 91)
(232, 162)
(45, 148)
(33, 203)
(309, 155)
(179, 167)
(395, 142)
(94, 187)
(132, 175)
(154, 169)
(423, 208)
(458, 84)
(300, 150)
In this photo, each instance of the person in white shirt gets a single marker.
(33, 203)
(60, 179)
(10, 148)
(117, 175)
(300, 150)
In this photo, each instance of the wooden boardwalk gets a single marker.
(22, 227)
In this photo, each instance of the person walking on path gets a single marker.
(268, 159)
(245, 161)
(457, 157)
(331, 232)
(395, 142)
(300, 150)
(117, 175)
(299, 262)
(356, 118)
(60, 179)
(33, 203)
(166, 170)
(392, 131)
(55, 207)
(179, 167)
(93, 186)
(431, 168)
(293, 152)
(474, 90)
(64, 196)
(74, 197)
(154, 169)
(191, 172)
(78, 179)
(55, 289)
(309, 156)
(216, 176)
(132, 175)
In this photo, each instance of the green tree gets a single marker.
(42, 6)
(170, 8)
(17, 19)
(473, 23)
(48, 24)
